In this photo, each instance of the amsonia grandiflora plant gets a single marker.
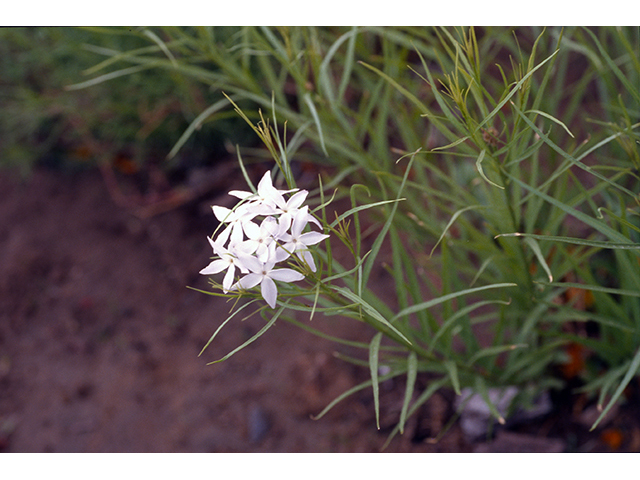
(274, 247)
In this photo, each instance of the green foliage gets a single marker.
(138, 114)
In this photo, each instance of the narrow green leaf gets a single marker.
(481, 171)
(594, 288)
(359, 208)
(552, 118)
(109, 76)
(633, 369)
(632, 89)
(481, 388)
(412, 373)
(377, 244)
(351, 391)
(451, 221)
(513, 91)
(535, 248)
(225, 322)
(267, 326)
(374, 349)
(450, 145)
(576, 241)
(161, 44)
(598, 225)
(196, 124)
(445, 298)
(411, 97)
(433, 387)
(452, 369)
(569, 157)
(491, 351)
(372, 312)
(316, 120)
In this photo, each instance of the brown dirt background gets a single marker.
(100, 336)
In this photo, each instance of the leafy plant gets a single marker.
(476, 158)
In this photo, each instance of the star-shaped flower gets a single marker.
(263, 274)
(229, 260)
(298, 242)
(266, 195)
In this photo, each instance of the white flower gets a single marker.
(229, 260)
(267, 195)
(234, 219)
(260, 237)
(254, 246)
(298, 242)
(263, 274)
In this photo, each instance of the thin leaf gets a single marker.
(377, 244)
(225, 322)
(445, 298)
(491, 351)
(374, 350)
(481, 388)
(594, 288)
(316, 120)
(267, 326)
(538, 253)
(513, 91)
(109, 76)
(576, 241)
(599, 226)
(452, 369)
(372, 312)
(552, 118)
(359, 208)
(575, 162)
(481, 171)
(412, 372)
(351, 391)
(195, 125)
(451, 221)
(633, 368)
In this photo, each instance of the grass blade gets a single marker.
(412, 372)
(633, 368)
(374, 357)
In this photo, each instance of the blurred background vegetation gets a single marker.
(131, 122)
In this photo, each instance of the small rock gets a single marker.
(259, 424)
(475, 416)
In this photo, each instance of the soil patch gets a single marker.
(100, 336)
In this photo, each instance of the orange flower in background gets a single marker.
(576, 363)
(612, 437)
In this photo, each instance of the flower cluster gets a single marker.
(262, 231)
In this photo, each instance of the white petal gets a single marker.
(269, 291)
(281, 254)
(286, 275)
(299, 221)
(214, 267)
(248, 281)
(223, 236)
(306, 257)
(251, 230)
(228, 279)
(265, 182)
(252, 263)
(311, 238)
(297, 199)
(223, 214)
(240, 194)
